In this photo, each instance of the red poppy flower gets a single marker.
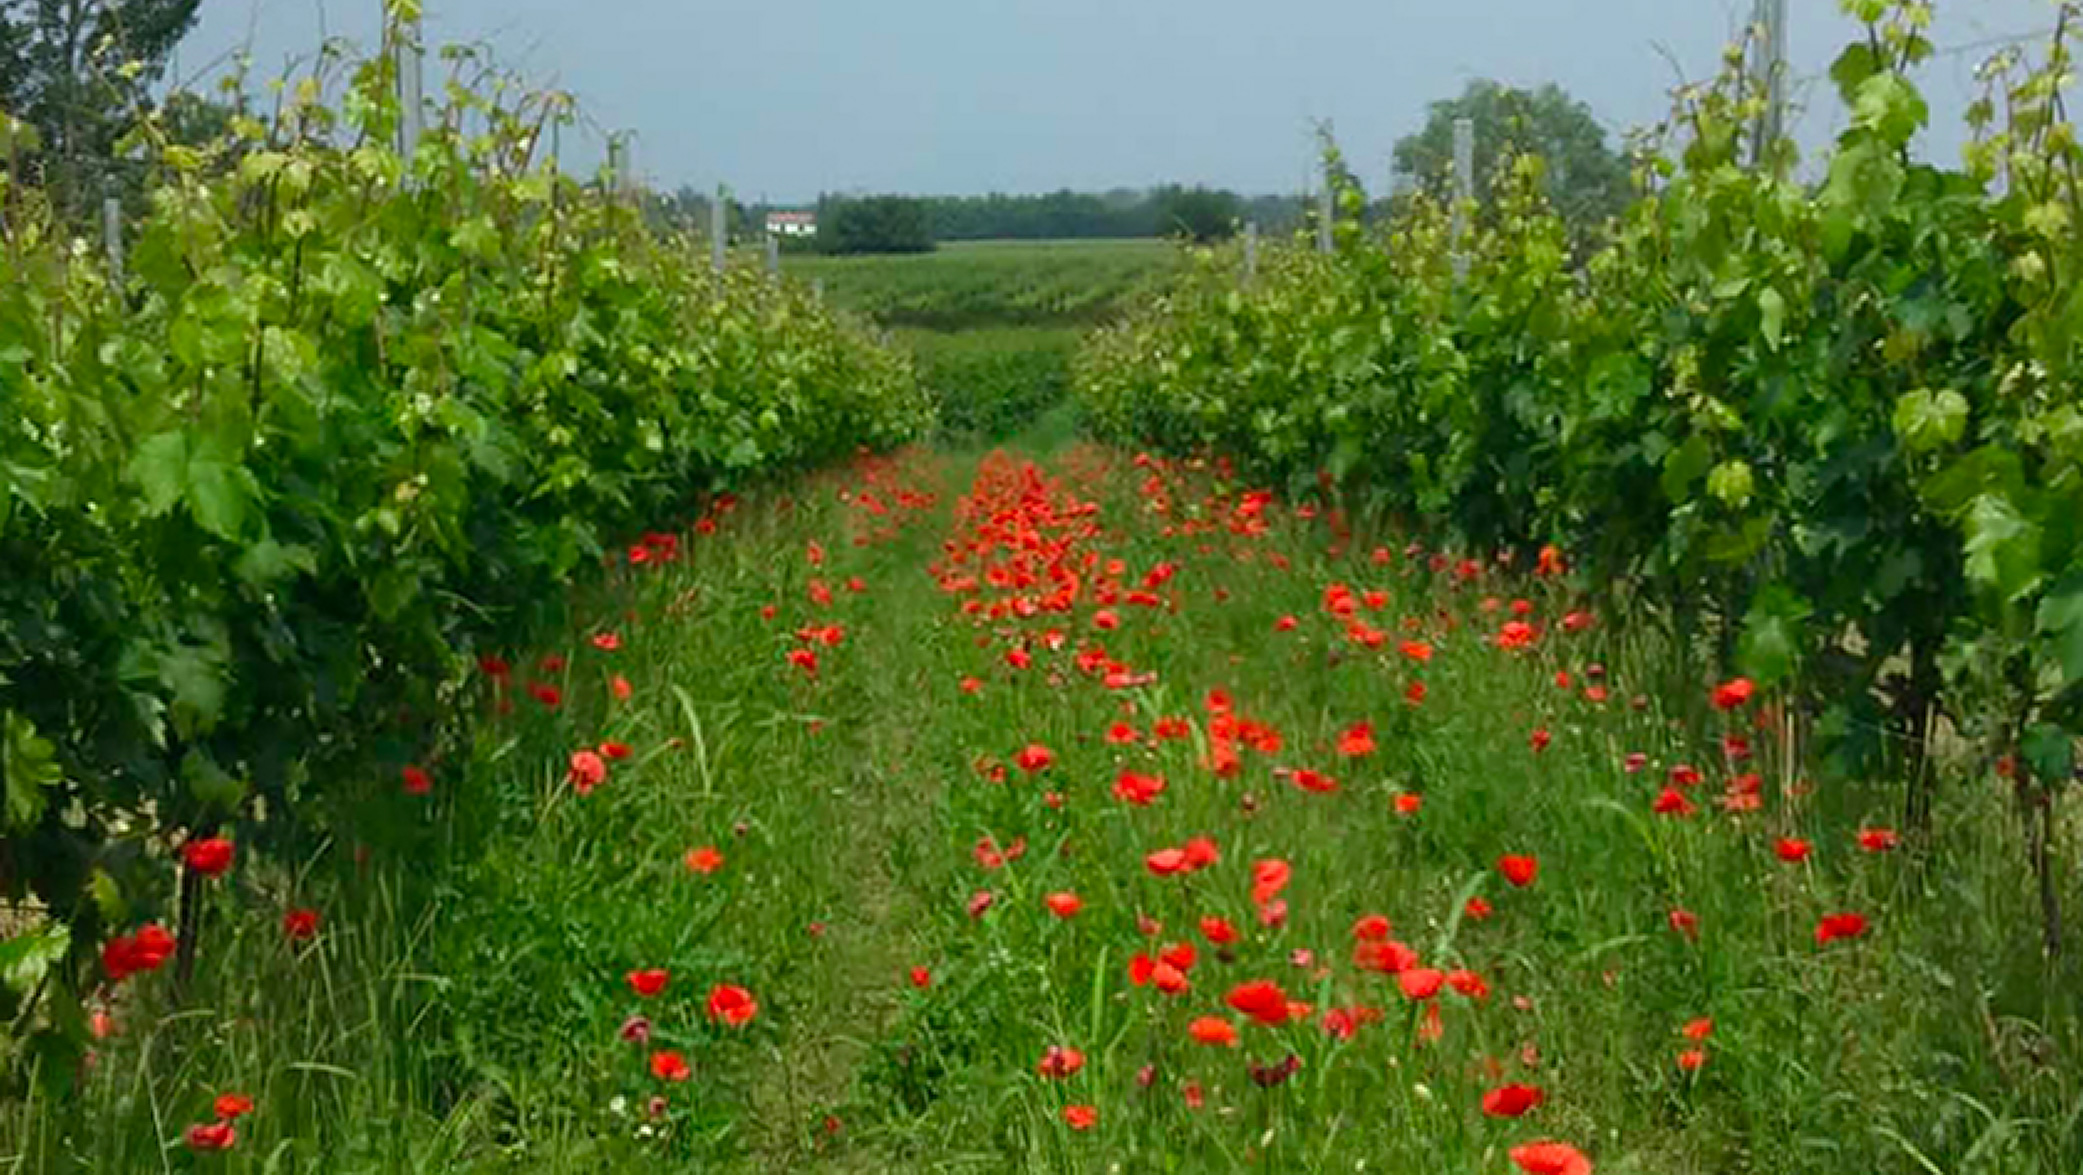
(804, 659)
(1468, 983)
(300, 925)
(1672, 802)
(1080, 1118)
(127, 955)
(1212, 1030)
(417, 782)
(1165, 862)
(1690, 1060)
(1285, 624)
(1033, 757)
(1516, 634)
(548, 695)
(1136, 788)
(669, 1065)
(1386, 957)
(1697, 1029)
(615, 752)
(1314, 781)
(1059, 1062)
(1733, 694)
(1519, 868)
(1170, 728)
(1371, 928)
(1268, 878)
(979, 902)
(1418, 651)
(1539, 739)
(1791, 850)
(732, 1005)
(230, 1107)
(1420, 983)
(1477, 909)
(1064, 905)
(1121, 734)
(1019, 658)
(1415, 693)
(1685, 922)
(1511, 1101)
(606, 642)
(1200, 852)
(1550, 1158)
(1218, 931)
(1357, 740)
(208, 855)
(1408, 803)
(1878, 840)
(648, 982)
(587, 772)
(211, 1136)
(921, 978)
(704, 860)
(1260, 999)
(1837, 926)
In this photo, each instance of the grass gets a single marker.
(464, 1004)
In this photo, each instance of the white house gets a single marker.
(791, 224)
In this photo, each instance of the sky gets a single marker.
(784, 99)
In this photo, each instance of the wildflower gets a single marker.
(704, 860)
(1064, 905)
(587, 772)
(1033, 758)
(1550, 1158)
(732, 1005)
(1837, 926)
(417, 781)
(1733, 694)
(209, 855)
(1080, 1118)
(669, 1065)
(300, 925)
(1212, 1030)
(1519, 869)
(211, 1136)
(1511, 1101)
(1059, 1062)
(648, 982)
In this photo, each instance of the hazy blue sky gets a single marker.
(787, 98)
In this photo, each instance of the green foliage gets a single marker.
(76, 71)
(1201, 215)
(1836, 424)
(851, 225)
(348, 418)
(989, 383)
(1587, 183)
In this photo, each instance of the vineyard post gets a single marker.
(409, 60)
(1326, 208)
(1464, 190)
(112, 236)
(773, 256)
(719, 226)
(1250, 251)
(817, 288)
(615, 166)
(1770, 58)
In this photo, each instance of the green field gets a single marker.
(966, 285)
(993, 324)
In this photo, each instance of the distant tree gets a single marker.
(1197, 213)
(79, 71)
(873, 224)
(1587, 181)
